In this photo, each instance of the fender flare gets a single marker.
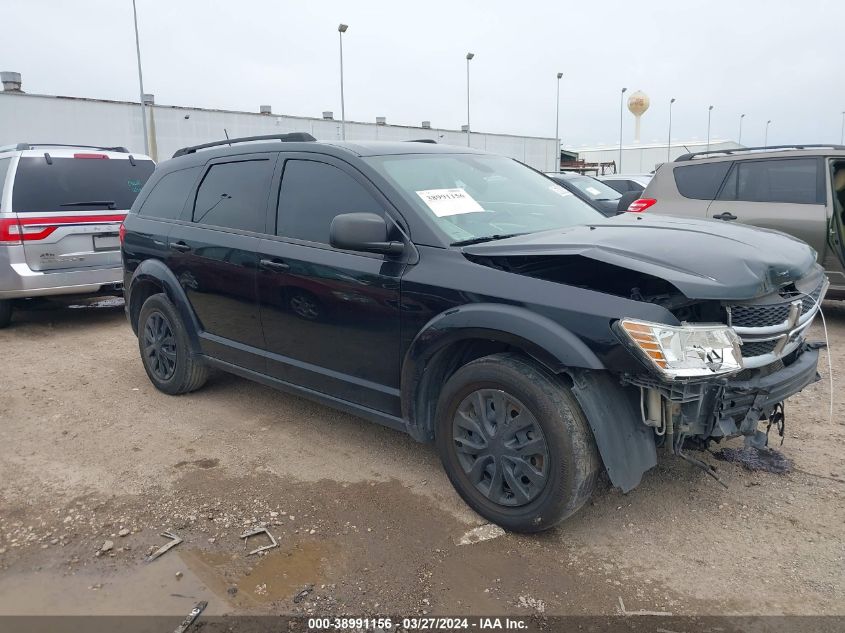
(155, 271)
(545, 341)
(626, 446)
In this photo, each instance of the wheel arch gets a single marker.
(151, 277)
(456, 337)
(460, 335)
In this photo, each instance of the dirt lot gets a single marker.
(364, 515)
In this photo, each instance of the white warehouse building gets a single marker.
(31, 118)
(641, 158)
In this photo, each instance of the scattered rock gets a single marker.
(232, 591)
(107, 546)
(303, 594)
(527, 602)
(123, 532)
(179, 575)
(481, 533)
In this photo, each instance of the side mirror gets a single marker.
(627, 198)
(365, 232)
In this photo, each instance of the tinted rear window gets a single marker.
(40, 186)
(701, 182)
(234, 195)
(169, 194)
(793, 181)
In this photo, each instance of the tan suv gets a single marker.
(799, 190)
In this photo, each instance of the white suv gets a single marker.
(61, 208)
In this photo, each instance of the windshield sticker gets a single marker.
(446, 202)
(593, 191)
(134, 185)
(563, 193)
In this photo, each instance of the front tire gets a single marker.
(515, 443)
(165, 352)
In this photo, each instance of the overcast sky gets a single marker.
(776, 59)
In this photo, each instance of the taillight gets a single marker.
(10, 231)
(122, 232)
(641, 204)
(81, 155)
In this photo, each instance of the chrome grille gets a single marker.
(770, 314)
(773, 329)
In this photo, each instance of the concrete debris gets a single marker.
(174, 541)
(481, 533)
(263, 548)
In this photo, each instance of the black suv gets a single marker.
(470, 301)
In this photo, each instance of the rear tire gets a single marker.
(165, 350)
(5, 312)
(529, 460)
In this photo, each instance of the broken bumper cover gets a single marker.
(744, 403)
(729, 406)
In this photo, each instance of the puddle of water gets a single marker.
(278, 575)
(140, 590)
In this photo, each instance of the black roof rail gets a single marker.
(293, 137)
(691, 155)
(422, 140)
(26, 146)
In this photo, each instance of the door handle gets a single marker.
(180, 246)
(725, 215)
(273, 264)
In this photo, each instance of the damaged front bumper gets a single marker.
(704, 411)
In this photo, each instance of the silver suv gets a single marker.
(799, 190)
(61, 208)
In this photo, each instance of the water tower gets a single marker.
(638, 103)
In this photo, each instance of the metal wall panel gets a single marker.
(47, 119)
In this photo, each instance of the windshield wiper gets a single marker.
(108, 204)
(486, 238)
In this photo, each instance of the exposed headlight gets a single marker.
(686, 351)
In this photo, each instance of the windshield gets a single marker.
(471, 197)
(594, 189)
(78, 184)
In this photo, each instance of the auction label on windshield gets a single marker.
(446, 202)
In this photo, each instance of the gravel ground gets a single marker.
(97, 463)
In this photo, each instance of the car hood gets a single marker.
(704, 259)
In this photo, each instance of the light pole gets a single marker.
(842, 133)
(141, 81)
(709, 110)
(469, 57)
(341, 29)
(557, 124)
(669, 141)
(766, 135)
(621, 106)
(739, 140)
